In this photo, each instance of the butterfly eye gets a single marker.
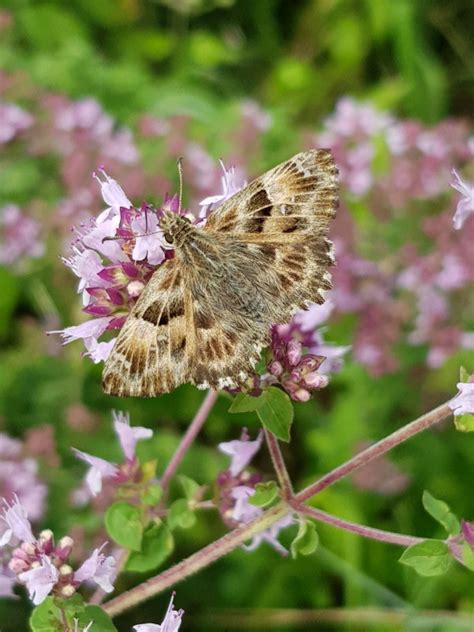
(168, 237)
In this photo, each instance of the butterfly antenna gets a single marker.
(180, 173)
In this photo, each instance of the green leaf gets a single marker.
(152, 495)
(244, 403)
(464, 423)
(179, 515)
(101, 621)
(463, 374)
(428, 558)
(46, 617)
(191, 488)
(273, 407)
(307, 539)
(265, 493)
(468, 556)
(441, 512)
(124, 525)
(276, 412)
(157, 545)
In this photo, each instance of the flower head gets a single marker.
(101, 469)
(114, 256)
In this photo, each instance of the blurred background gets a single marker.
(132, 85)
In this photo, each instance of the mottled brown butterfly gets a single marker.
(206, 314)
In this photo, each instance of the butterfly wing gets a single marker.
(149, 356)
(276, 260)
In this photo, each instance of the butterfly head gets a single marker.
(175, 228)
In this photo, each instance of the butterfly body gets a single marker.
(206, 314)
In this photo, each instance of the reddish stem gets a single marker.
(188, 438)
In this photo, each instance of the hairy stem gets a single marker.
(374, 451)
(195, 562)
(188, 438)
(362, 530)
(279, 465)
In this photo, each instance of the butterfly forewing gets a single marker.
(205, 315)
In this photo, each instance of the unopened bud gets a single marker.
(66, 542)
(294, 352)
(65, 569)
(17, 565)
(68, 590)
(301, 395)
(46, 535)
(28, 548)
(315, 380)
(275, 368)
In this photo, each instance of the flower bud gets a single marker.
(275, 368)
(65, 569)
(301, 395)
(16, 565)
(294, 352)
(68, 590)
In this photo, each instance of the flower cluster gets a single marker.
(398, 172)
(100, 470)
(42, 565)
(13, 121)
(236, 485)
(114, 257)
(19, 236)
(19, 478)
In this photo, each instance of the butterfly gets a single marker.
(206, 314)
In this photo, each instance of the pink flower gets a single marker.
(241, 451)
(468, 532)
(40, 580)
(19, 478)
(18, 525)
(99, 569)
(231, 182)
(463, 403)
(465, 206)
(128, 435)
(12, 120)
(99, 469)
(7, 582)
(113, 256)
(244, 512)
(19, 235)
(171, 622)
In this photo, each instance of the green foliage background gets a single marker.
(200, 57)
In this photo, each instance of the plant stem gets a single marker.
(374, 451)
(189, 436)
(238, 536)
(195, 562)
(362, 530)
(279, 465)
